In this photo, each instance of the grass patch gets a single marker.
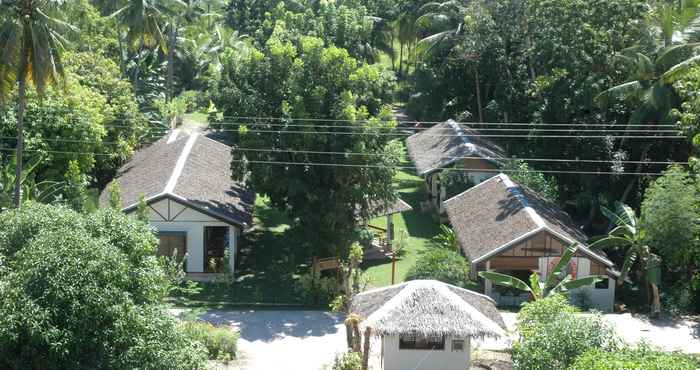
(420, 227)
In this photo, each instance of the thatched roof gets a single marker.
(429, 308)
(496, 214)
(191, 169)
(444, 144)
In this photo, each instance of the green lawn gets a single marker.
(271, 259)
(421, 228)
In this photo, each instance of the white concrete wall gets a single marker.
(408, 359)
(167, 215)
(600, 299)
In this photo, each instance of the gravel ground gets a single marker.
(309, 340)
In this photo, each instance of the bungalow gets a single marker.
(427, 324)
(446, 145)
(195, 206)
(505, 227)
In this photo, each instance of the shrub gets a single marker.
(81, 292)
(556, 344)
(221, 342)
(542, 311)
(640, 357)
(348, 361)
(441, 264)
(322, 292)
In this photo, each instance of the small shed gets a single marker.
(427, 324)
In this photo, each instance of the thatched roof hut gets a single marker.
(428, 308)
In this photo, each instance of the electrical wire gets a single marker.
(575, 160)
(289, 163)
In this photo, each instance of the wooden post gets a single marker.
(390, 231)
(393, 267)
(365, 353)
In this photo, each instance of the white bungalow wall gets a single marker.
(600, 299)
(402, 359)
(168, 215)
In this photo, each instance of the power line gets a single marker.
(414, 128)
(71, 140)
(288, 163)
(429, 122)
(377, 166)
(457, 135)
(575, 160)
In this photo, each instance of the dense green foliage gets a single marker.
(309, 80)
(221, 342)
(639, 357)
(555, 335)
(441, 264)
(84, 292)
(347, 361)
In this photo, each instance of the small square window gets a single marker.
(603, 284)
(457, 345)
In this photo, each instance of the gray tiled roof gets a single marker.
(444, 143)
(499, 211)
(202, 181)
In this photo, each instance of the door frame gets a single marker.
(205, 248)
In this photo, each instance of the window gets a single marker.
(421, 342)
(171, 244)
(215, 244)
(603, 284)
(457, 345)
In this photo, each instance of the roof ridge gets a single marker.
(216, 141)
(180, 164)
(516, 189)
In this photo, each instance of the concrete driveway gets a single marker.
(309, 340)
(283, 340)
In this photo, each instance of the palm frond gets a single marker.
(505, 280)
(627, 90)
(563, 262)
(679, 70)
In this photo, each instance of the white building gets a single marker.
(427, 324)
(193, 203)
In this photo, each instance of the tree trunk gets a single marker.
(401, 59)
(393, 55)
(365, 350)
(171, 59)
(356, 336)
(478, 95)
(22, 96)
(20, 136)
(630, 185)
(656, 301)
(122, 67)
(348, 333)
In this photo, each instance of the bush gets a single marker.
(82, 292)
(640, 357)
(542, 311)
(221, 342)
(348, 361)
(322, 292)
(556, 344)
(441, 264)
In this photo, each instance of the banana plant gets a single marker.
(44, 191)
(556, 282)
(628, 235)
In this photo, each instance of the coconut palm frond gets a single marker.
(627, 90)
(679, 70)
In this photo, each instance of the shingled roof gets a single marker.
(429, 308)
(498, 213)
(189, 168)
(444, 144)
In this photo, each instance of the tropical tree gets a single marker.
(446, 239)
(649, 89)
(555, 283)
(43, 191)
(30, 47)
(627, 234)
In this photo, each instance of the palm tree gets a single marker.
(30, 45)
(143, 20)
(649, 88)
(445, 24)
(627, 234)
(555, 283)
